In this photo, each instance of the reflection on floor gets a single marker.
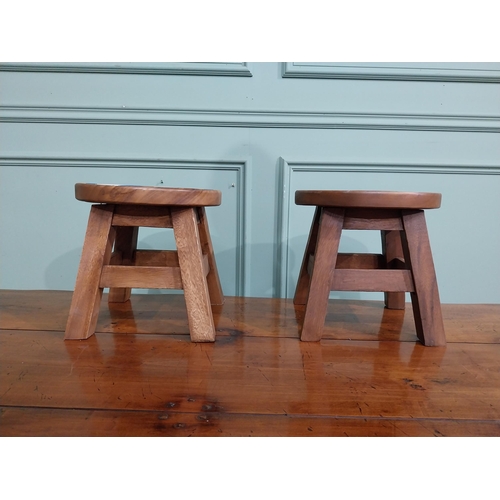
(141, 376)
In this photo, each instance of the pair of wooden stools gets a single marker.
(110, 258)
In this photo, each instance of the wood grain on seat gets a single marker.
(147, 195)
(369, 199)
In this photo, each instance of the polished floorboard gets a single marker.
(141, 376)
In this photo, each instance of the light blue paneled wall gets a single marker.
(257, 132)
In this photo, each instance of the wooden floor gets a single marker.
(141, 376)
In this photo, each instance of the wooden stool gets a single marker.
(192, 268)
(405, 264)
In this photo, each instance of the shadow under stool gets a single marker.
(405, 265)
(110, 258)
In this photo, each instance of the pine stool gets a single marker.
(405, 264)
(115, 221)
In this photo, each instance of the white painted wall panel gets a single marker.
(202, 130)
(43, 225)
(464, 232)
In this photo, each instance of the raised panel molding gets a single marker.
(158, 68)
(240, 167)
(285, 195)
(441, 72)
(249, 119)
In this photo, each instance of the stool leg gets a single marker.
(425, 300)
(329, 232)
(123, 254)
(393, 251)
(213, 281)
(304, 280)
(187, 238)
(96, 253)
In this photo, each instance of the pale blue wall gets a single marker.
(257, 132)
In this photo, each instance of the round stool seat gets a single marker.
(369, 199)
(145, 195)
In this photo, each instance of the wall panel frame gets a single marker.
(157, 68)
(441, 72)
(240, 169)
(485, 222)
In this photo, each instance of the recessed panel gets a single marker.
(464, 232)
(43, 225)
